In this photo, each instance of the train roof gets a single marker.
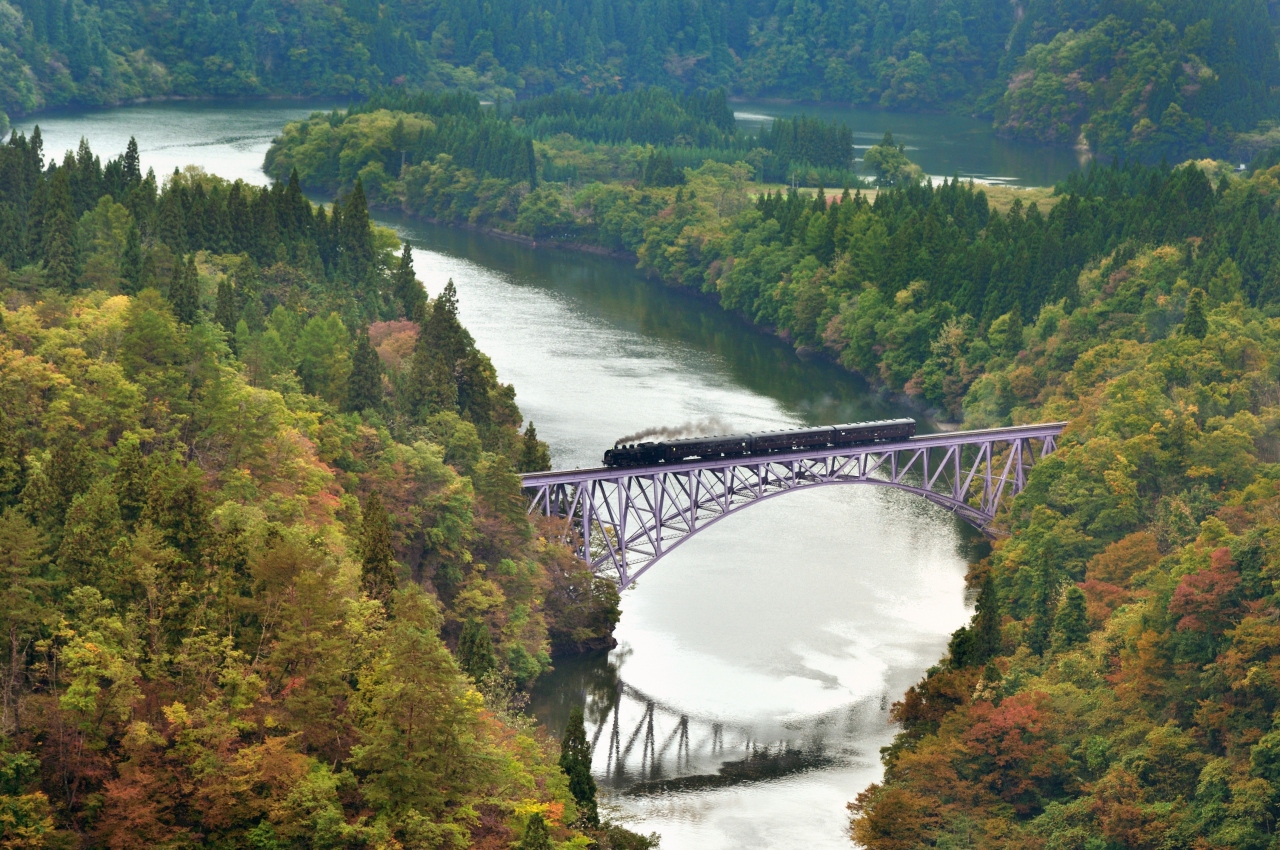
(679, 440)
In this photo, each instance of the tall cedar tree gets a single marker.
(225, 312)
(378, 564)
(475, 649)
(536, 835)
(978, 642)
(131, 261)
(1194, 323)
(405, 286)
(534, 456)
(59, 236)
(364, 387)
(184, 291)
(575, 761)
(1071, 625)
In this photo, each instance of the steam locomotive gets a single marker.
(760, 443)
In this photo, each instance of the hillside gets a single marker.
(266, 577)
(1166, 78)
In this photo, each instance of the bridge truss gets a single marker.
(623, 520)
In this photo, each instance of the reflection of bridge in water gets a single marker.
(637, 739)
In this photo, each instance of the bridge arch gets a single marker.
(624, 520)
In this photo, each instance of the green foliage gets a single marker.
(575, 761)
(364, 387)
(888, 161)
(475, 650)
(1122, 705)
(204, 641)
(1070, 624)
(535, 835)
(1194, 323)
(184, 291)
(377, 560)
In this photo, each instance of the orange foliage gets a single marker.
(1123, 559)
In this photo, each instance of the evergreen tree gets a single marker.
(184, 291)
(979, 641)
(364, 387)
(171, 228)
(131, 260)
(405, 286)
(132, 164)
(475, 649)
(575, 761)
(536, 835)
(355, 236)
(1040, 625)
(59, 234)
(1195, 323)
(443, 333)
(1071, 625)
(1013, 333)
(534, 456)
(226, 312)
(377, 563)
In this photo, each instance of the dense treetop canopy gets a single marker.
(1161, 78)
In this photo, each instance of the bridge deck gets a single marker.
(925, 441)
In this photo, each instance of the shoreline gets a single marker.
(934, 417)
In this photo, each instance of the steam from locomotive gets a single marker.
(759, 443)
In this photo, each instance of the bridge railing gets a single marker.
(623, 520)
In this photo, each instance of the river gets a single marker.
(748, 698)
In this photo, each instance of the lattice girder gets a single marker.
(623, 520)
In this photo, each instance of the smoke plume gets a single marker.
(708, 427)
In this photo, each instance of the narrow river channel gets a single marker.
(748, 698)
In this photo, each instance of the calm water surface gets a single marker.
(942, 145)
(748, 698)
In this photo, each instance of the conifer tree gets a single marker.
(355, 237)
(536, 836)
(1195, 323)
(1071, 625)
(979, 641)
(575, 761)
(241, 237)
(1013, 334)
(534, 456)
(170, 226)
(405, 286)
(132, 164)
(1040, 625)
(475, 649)
(443, 332)
(59, 237)
(225, 312)
(184, 291)
(364, 387)
(377, 563)
(131, 261)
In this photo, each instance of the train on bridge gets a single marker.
(759, 443)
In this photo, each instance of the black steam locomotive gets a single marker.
(761, 443)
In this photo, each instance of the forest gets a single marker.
(266, 576)
(1165, 78)
(1117, 686)
(649, 135)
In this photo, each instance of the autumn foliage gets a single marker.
(1151, 534)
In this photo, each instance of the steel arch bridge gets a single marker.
(623, 520)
